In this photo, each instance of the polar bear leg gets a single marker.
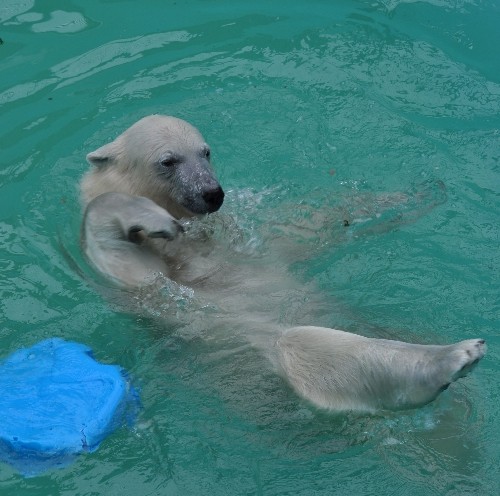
(119, 233)
(341, 371)
(131, 214)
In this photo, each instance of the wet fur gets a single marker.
(155, 177)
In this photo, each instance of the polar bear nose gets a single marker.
(213, 198)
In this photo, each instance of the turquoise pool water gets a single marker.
(299, 101)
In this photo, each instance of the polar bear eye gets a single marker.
(206, 152)
(168, 161)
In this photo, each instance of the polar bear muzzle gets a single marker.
(194, 186)
(213, 199)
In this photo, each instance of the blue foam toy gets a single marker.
(56, 402)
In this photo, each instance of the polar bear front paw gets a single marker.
(137, 234)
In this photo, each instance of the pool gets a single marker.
(302, 102)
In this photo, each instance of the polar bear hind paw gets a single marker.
(472, 351)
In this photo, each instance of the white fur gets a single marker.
(343, 371)
(131, 164)
(156, 173)
(106, 237)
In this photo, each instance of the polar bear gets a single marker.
(137, 197)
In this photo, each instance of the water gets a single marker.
(299, 101)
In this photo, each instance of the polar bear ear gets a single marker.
(102, 156)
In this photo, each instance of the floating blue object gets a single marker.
(56, 402)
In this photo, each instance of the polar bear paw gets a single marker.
(341, 371)
(138, 233)
(467, 355)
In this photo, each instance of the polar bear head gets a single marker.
(162, 158)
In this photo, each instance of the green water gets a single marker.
(299, 100)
